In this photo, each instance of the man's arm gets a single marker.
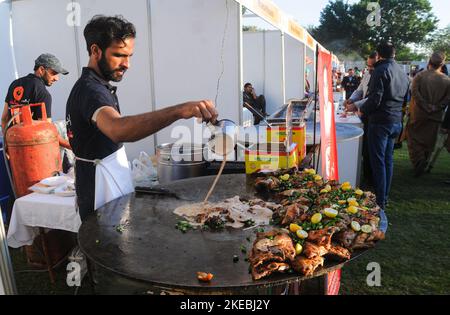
(5, 117)
(376, 93)
(358, 94)
(418, 98)
(134, 128)
(360, 103)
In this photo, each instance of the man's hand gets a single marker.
(204, 110)
(359, 113)
(351, 107)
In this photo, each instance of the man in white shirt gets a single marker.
(358, 98)
(353, 104)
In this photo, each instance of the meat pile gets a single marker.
(232, 212)
(316, 220)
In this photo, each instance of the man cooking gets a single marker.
(96, 128)
(31, 89)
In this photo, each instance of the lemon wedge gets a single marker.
(324, 191)
(328, 187)
(285, 177)
(294, 227)
(310, 171)
(342, 202)
(317, 178)
(331, 213)
(366, 229)
(355, 226)
(298, 249)
(353, 203)
(346, 187)
(352, 210)
(316, 218)
(301, 234)
(359, 192)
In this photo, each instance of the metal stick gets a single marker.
(316, 88)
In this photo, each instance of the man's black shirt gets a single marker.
(34, 91)
(89, 93)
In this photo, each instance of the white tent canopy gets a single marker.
(182, 47)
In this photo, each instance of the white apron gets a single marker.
(113, 177)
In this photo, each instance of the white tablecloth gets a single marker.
(350, 119)
(41, 210)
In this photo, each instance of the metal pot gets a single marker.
(223, 136)
(180, 161)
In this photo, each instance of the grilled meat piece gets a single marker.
(346, 238)
(338, 251)
(292, 192)
(271, 252)
(266, 184)
(293, 212)
(269, 268)
(361, 242)
(311, 250)
(322, 237)
(376, 235)
(307, 266)
(369, 201)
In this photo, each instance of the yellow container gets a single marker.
(278, 134)
(270, 157)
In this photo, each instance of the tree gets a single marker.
(336, 27)
(440, 41)
(343, 27)
(407, 54)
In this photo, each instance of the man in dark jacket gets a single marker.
(350, 83)
(388, 89)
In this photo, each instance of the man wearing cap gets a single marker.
(430, 94)
(31, 89)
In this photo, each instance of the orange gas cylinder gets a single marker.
(33, 149)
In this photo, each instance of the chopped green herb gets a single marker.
(183, 226)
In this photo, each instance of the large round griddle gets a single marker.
(152, 251)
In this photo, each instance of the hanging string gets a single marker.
(222, 53)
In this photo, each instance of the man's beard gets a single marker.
(108, 73)
(46, 81)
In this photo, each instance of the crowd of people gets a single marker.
(393, 106)
(380, 100)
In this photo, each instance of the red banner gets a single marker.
(327, 123)
(333, 282)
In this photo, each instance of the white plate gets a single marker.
(42, 189)
(55, 181)
(65, 190)
(68, 193)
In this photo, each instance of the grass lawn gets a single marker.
(414, 259)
